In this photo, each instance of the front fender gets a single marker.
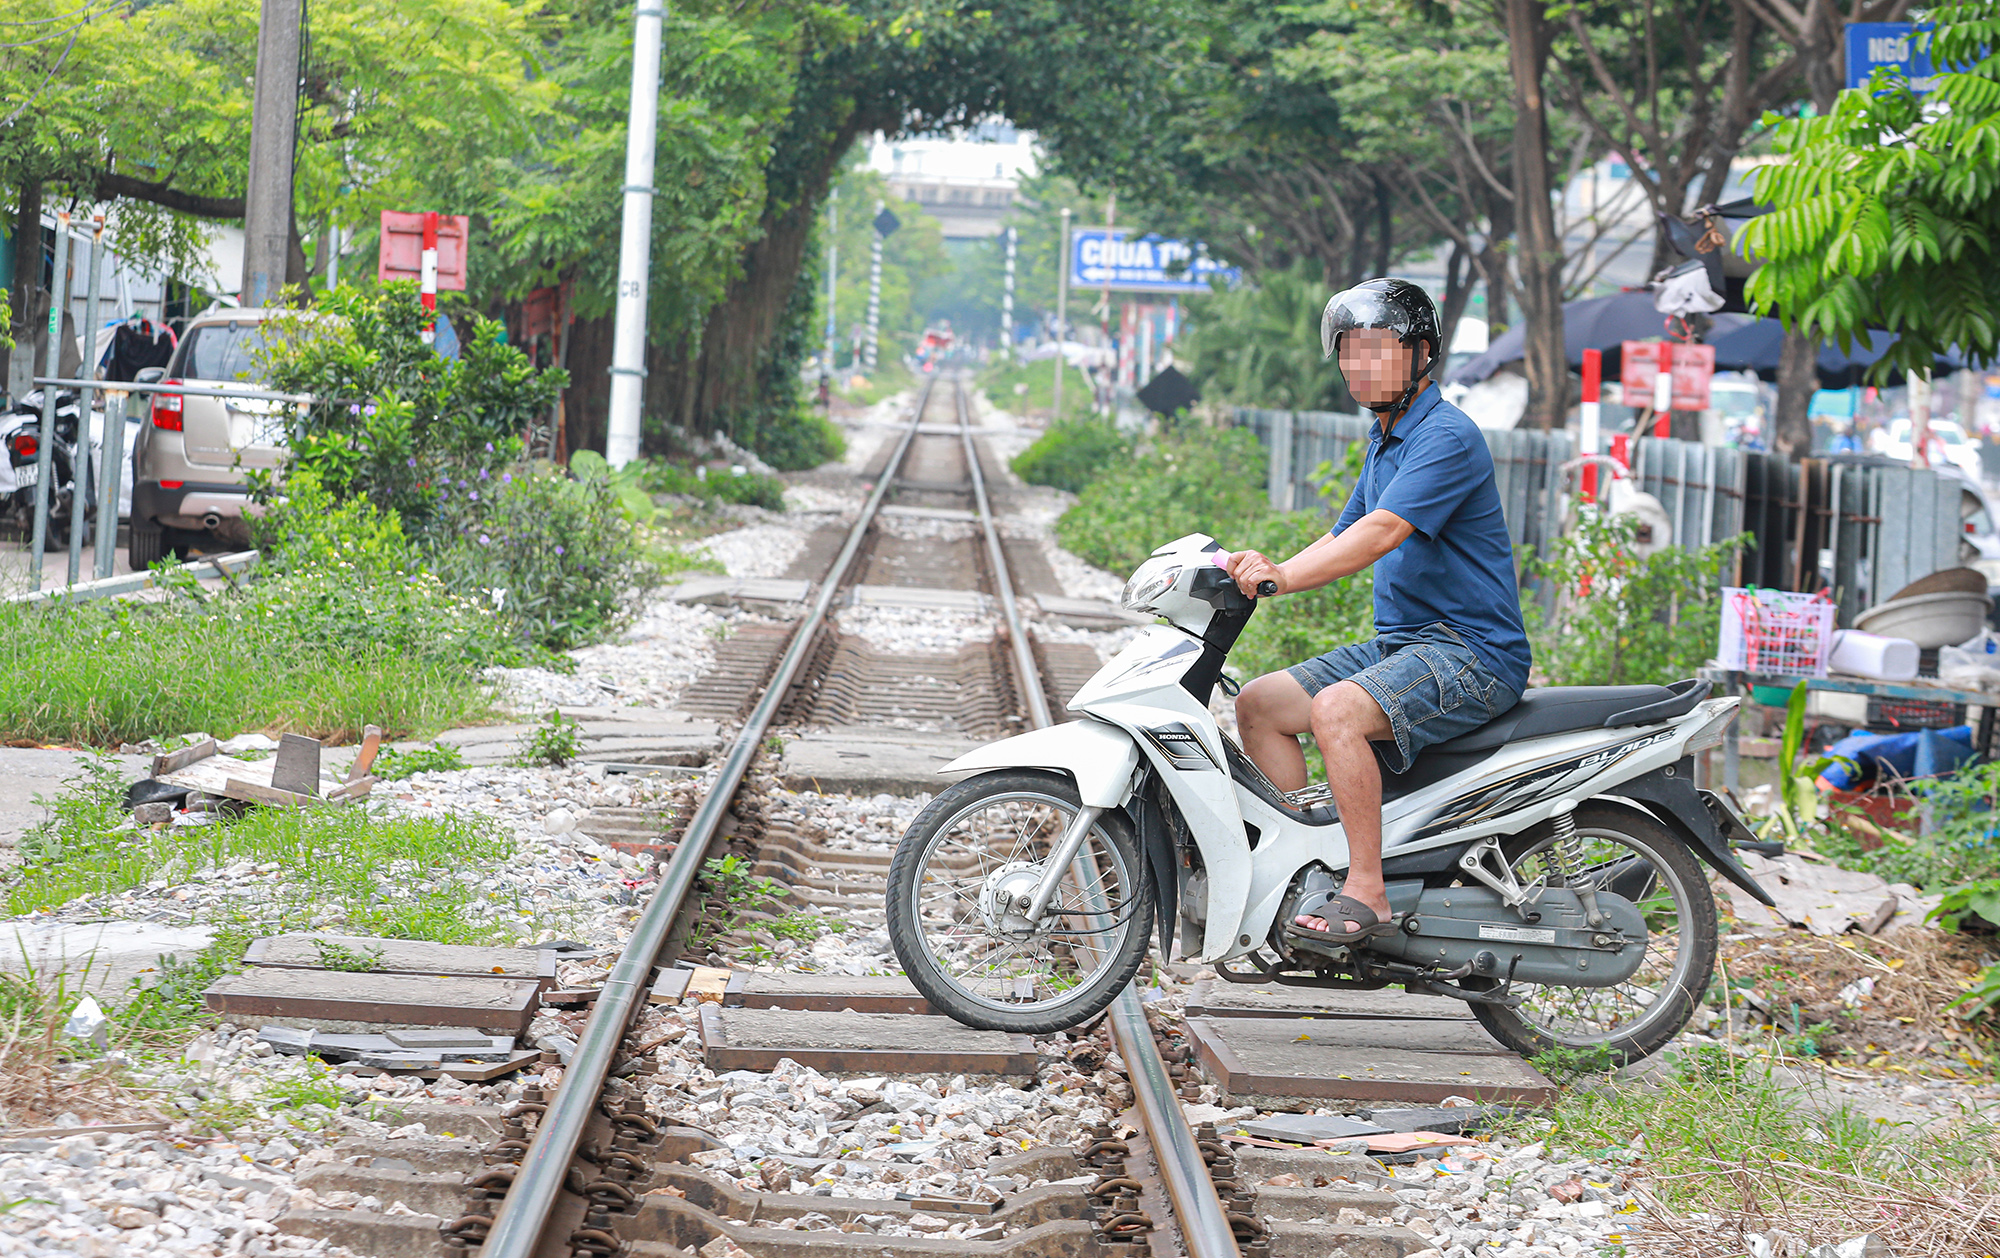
(1100, 757)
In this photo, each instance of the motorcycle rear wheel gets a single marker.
(988, 835)
(1637, 1018)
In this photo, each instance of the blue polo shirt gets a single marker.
(1435, 472)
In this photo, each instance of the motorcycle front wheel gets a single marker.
(971, 853)
(1626, 851)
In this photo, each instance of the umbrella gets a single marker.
(1600, 323)
(1755, 346)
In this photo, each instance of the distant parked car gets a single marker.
(190, 463)
(1948, 444)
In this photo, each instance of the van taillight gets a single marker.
(167, 410)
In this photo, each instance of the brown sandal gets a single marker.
(1344, 909)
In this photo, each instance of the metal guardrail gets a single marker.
(228, 567)
(103, 491)
(525, 1210)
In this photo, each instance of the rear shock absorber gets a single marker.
(1566, 861)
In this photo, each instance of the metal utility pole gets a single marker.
(58, 300)
(267, 203)
(874, 289)
(1062, 307)
(635, 239)
(832, 272)
(1007, 304)
(332, 257)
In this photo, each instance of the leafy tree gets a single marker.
(1886, 210)
(1259, 344)
(912, 255)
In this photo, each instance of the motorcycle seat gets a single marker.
(1545, 710)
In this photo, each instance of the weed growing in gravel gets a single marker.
(1732, 1138)
(390, 875)
(555, 742)
(393, 765)
(337, 956)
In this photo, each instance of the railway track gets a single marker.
(583, 1169)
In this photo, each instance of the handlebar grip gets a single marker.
(1265, 589)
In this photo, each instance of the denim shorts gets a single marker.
(1428, 682)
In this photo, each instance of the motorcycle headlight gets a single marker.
(1143, 590)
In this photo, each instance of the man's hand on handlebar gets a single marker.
(1255, 575)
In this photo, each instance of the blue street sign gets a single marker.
(1105, 257)
(1893, 45)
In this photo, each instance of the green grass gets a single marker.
(392, 765)
(96, 676)
(1729, 1136)
(1001, 382)
(389, 875)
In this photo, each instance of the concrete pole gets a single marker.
(832, 273)
(81, 490)
(1007, 304)
(874, 293)
(635, 239)
(267, 204)
(44, 468)
(332, 257)
(427, 274)
(1062, 308)
(1919, 384)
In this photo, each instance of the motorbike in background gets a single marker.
(21, 442)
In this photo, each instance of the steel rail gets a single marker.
(526, 1209)
(1205, 1230)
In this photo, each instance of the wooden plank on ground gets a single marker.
(500, 1006)
(858, 1043)
(403, 956)
(168, 762)
(1277, 1062)
(831, 993)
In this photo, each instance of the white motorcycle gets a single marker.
(1543, 868)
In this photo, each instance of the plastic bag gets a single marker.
(1973, 664)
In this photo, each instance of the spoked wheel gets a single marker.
(1624, 851)
(962, 868)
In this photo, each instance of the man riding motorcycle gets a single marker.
(1450, 652)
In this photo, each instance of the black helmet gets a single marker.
(1398, 305)
(1402, 307)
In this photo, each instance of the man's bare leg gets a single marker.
(1271, 713)
(1345, 719)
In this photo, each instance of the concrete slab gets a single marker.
(829, 993)
(955, 514)
(923, 598)
(336, 1000)
(26, 772)
(614, 735)
(403, 956)
(864, 1043)
(1219, 998)
(871, 762)
(1279, 1063)
(103, 958)
(729, 591)
(1094, 611)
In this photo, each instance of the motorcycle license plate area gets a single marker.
(27, 475)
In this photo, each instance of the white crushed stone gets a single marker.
(823, 500)
(1079, 579)
(911, 631)
(915, 528)
(653, 661)
(758, 550)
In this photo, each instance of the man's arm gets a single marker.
(1328, 559)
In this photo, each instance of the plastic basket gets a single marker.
(1775, 633)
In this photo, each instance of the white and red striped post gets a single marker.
(1593, 412)
(1663, 392)
(429, 281)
